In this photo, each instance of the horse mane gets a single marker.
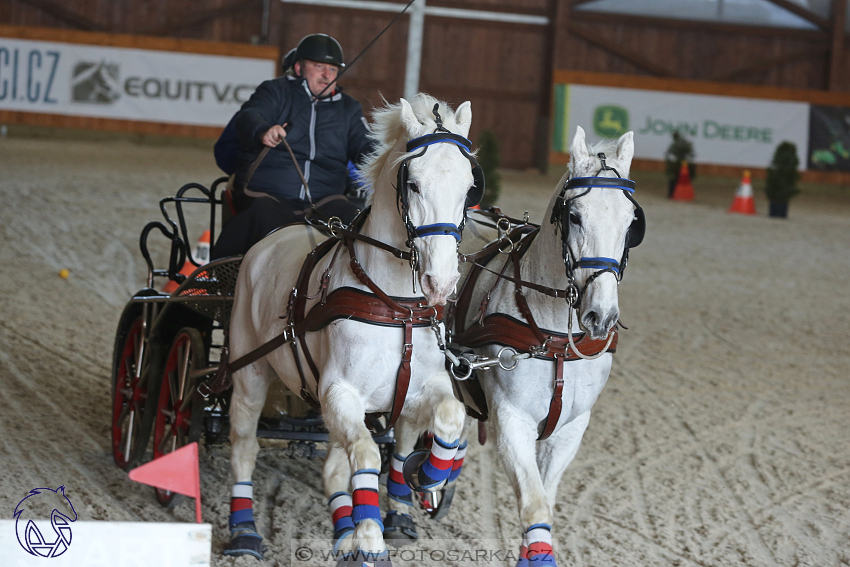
(387, 129)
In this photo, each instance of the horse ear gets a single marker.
(578, 151)
(463, 118)
(626, 147)
(408, 118)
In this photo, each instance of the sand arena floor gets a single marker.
(721, 438)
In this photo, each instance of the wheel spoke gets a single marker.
(128, 371)
(129, 436)
(166, 435)
(172, 389)
(140, 352)
(185, 356)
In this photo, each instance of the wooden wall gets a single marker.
(781, 57)
(506, 70)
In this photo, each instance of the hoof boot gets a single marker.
(399, 529)
(244, 540)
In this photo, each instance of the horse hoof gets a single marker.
(244, 540)
(410, 471)
(246, 545)
(399, 529)
(359, 559)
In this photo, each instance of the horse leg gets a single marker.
(399, 527)
(337, 475)
(438, 411)
(556, 453)
(516, 437)
(250, 387)
(344, 413)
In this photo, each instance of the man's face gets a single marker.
(318, 75)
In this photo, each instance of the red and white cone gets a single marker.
(684, 190)
(201, 255)
(743, 203)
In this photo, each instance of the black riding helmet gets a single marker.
(320, 47)
(288, 60)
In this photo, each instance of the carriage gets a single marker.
(166, 372)
(171, 363)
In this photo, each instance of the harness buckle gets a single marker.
(572, 294)
(506, 245)
(334, 224)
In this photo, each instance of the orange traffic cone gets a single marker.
(201, 255)
(743, 202)
(684, 190)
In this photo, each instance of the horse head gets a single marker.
(599, 220)
(433, 172)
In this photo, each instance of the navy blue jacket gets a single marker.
(324, 135)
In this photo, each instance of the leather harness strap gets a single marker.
(407, 313)
(375, 308)
(502, 329)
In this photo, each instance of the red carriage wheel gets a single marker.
(180, 408)
(129, 396)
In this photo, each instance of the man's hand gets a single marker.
(274, 136)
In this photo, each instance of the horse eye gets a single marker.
(575, 219)
(412, 186)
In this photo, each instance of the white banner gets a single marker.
(104, 544)
(128, 84)
(724, 130)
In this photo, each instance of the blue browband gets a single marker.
(604, 182)
(438, 137)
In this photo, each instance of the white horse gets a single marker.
(357, 363)
(536, 439)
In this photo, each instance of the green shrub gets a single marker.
(489, 159)
(783, 174)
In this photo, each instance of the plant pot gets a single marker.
(779, 210)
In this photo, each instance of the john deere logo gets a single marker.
(610, 121)
(95, 82)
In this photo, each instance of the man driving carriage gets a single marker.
(325, 129)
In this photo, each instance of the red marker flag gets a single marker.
(176, 472)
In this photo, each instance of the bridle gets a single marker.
(601, 265)
(439, 136)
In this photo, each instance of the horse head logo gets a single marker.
(31, 538)
(95, 82)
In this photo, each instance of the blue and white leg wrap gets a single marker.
(340, 507)
(244, 539)
(242, 505)
(436, 469)
(397, 489)
(458, 462)
(364, 484)
(539, 540)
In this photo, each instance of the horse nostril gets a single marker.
(429, 284)
(591, 319)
